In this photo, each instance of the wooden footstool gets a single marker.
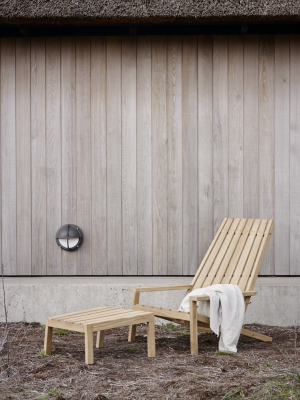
(97, 320)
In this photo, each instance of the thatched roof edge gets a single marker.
(146, 11)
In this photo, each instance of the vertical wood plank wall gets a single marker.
(146, 143)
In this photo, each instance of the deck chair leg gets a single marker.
(193, 327)
(89, 351)
(151, 337)
(256, 335)
(132, 328)
(48, 339)
(100, 339)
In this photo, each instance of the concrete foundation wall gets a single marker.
(35, 299)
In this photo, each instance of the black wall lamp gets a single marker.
(69, 237)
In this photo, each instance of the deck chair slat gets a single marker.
(209, 252)
(245, 254)
(223, 267)
(216, 266)
(210, 260)
(260, 255)
(253, 254)
(239, 249)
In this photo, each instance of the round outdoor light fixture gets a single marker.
(69, 237)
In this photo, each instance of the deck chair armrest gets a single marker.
(201, 297)
(206, 297)
(249, 293)
(159, 288)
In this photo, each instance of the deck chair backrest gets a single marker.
(236, 254)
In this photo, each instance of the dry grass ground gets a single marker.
(122, 370)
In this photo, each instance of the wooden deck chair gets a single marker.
(235, 256)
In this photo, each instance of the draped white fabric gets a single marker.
(226, 310)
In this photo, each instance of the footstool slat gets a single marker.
(117, 317)
(97, 317)
(94, 315)
(79, 312)
(119, 323)
(66, 325)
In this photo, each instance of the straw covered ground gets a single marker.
(122, 370)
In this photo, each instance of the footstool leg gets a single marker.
(48, 339)
(131, 333)
(151, 336)
(89, 351)
(100, 338)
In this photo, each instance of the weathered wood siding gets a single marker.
(146, 143)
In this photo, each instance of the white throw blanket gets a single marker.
(226, 308)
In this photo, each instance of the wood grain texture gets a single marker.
(83, 142)
(68, 147)
(235, 116)
(146, 145)
(151, 336)
(156, 289)
(114, 143)
(220, 129)
(98, 138)
(174, 134)
(100, 339)
(48, 339)
(190, 156)
(266, 140)
(221, 275)
(144, 156)
(129, 191)
(253, 253)
(282, 155)
(251, 175)
(238, 251)
(260, 255)
(38, 157)
(294, 154)
(53, 153)
(159, 156)
(205, 147)
(221, 262)
(132, 328)
(8, 156)
(193, 327)
(88, 341)
(237, 277)
(23, 156)
(211, 254)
